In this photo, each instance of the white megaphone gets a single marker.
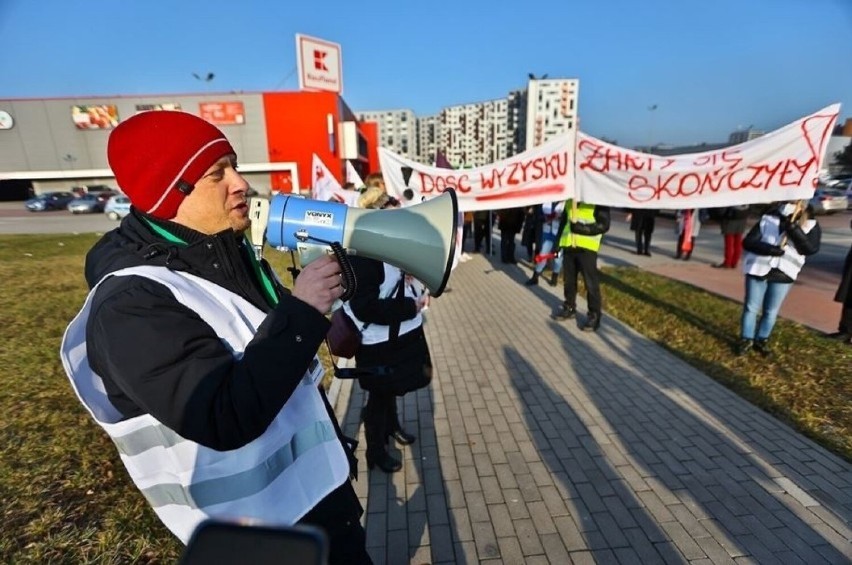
(419, 239)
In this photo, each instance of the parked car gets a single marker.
(86, 204)
(117, 207)
(49, 201)
(829, 200)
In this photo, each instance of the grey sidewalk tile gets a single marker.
(486, 543)
(441, 544)
(515, 503)
(610, 529)
(460, 525)
(491, 490)
(465, 552)
(397, 547)
(570, 535)
(541, 517)
(501, 521)
(510, 551)
(436, 506)
(528, 537)
(469, 479)
(643, 547)
(505, 476)
(476, 507)
(554, 549)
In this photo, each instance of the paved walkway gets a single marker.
(539, 443)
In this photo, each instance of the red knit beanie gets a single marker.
(158, 156)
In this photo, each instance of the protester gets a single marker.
(844, 296)
(580, 231)
(200, 366)
(642, 221)
(394, 357)
(482, 231)
(375, 180)
(467, 228)
(775, 251)
(687, 229)
(510, 222)
(551, 213)
(531, 232)
(733, 225)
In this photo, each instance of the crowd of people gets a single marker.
(202, 367)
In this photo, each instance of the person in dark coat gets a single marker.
(844, 296)
(642, 222)
(511, 220)
(482, 231)
(532, 232)
(733, 225)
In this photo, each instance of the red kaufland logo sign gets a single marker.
(320, 64)
(319, 60)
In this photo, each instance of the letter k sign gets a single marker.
(319, 60)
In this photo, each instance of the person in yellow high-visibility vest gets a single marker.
(580, 231)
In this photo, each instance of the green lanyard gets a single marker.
(268, 287)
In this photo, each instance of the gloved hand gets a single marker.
(579, 228)
(776, 251)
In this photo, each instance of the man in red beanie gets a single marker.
(200, 366)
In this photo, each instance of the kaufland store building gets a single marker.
(58, 143)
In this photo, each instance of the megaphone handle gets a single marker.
(350, 284)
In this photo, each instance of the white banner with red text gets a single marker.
(542, 174)
(781, 165)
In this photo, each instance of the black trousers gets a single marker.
(579, 261)
(507, 246)
(643, 236)
(378, 413)
(481, 231)
(338, 515)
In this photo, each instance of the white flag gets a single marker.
(353, 176)
(325, 187)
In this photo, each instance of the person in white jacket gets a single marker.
(775, 251)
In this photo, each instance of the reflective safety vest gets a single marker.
(790, 263)
(275, 479)
(585, 214)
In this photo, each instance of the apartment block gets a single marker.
(475, 134)
(397, 130)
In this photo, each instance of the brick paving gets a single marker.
(540, 443)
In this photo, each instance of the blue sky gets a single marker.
(709, 65)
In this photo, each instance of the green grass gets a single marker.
(67, 498)
(806, 382)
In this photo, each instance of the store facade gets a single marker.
(59, 143)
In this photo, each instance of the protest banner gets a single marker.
(325, 187)
(781, 165)
(542, 174)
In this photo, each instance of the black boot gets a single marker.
(744, 346)
(533, 280)
(762, 347)
(593, 322)
(377, 451)
(554, 278)
(395, 429)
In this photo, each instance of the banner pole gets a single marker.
(573, 217)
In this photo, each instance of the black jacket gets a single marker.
(157, 356)
(599, 227)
